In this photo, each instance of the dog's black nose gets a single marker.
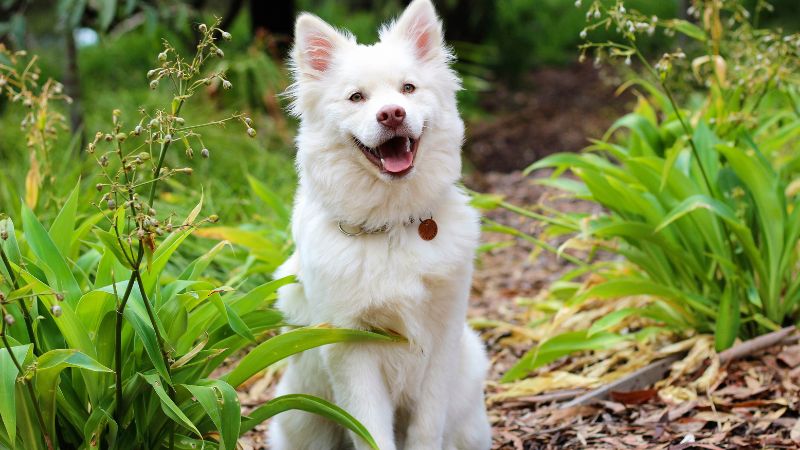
(391, 116)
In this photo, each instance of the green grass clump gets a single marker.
(701, 201)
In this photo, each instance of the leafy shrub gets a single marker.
(109, 337)
(701, 201)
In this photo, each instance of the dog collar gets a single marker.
(427, 229)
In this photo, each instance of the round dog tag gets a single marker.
(428, 229)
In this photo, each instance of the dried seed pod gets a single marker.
(111, 204)
(4, 235)
(226, 84)
(226, 36)
(153, 84)
(55, 310)
(202, 28)
(162, 56)
(59, 296)
(251, 132)
(205, 153)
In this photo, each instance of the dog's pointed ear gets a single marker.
(420, 25)
(315, 44)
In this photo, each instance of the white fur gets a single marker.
(426, 394)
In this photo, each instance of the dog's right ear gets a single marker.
(315, 44)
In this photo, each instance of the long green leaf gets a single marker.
(220, 402)
(561, 345)
(48, 370)
(49, 256)
(310, 404)
(296, 341)
(8, 378)
(64, 224)
(137, 317)
(167, 404)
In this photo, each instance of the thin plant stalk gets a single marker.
(25, 313)
(39, 417)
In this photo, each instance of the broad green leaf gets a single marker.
(48, 370)
(310, 404)
(137, 317)
(161, 257)
(296, 341)
(60, 276)
(220, 402)
(83, 229)
(10, 245)
(485, 202)
(641, 127)
(257, 243)
(559, 346)
(95, 425)
(689, 29)
(68, 323)
(728, 320)
(112, 245)
(272, 200)
(108, 8)
(610, 320)
(64, 224)
(167, 404)
(8, 379)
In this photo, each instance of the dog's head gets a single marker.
(387, 111)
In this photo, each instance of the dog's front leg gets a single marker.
(427, 420)
(360, 388)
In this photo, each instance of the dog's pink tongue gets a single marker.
(396, 155)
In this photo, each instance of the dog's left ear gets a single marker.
(420, 25)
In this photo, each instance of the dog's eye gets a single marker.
(408, 88)
(357, 97)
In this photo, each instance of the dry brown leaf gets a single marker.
(675, 395)
(716, 416)
(548, 382)
(681, 409)
(790, 356)
(634, 397)
(795, 432)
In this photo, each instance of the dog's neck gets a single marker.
(388, 205)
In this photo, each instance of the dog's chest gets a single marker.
(385, 273)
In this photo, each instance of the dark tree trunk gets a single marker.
(72, 86)
(277, 20)
(467, 20)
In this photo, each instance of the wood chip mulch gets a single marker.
(751, 402)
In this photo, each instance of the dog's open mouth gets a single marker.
(395, 156)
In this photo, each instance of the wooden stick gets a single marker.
(753, 345)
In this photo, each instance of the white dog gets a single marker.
(385, 239)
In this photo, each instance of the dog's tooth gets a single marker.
(382, 163)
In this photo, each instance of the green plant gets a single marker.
(110, 339)
(700, 200)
